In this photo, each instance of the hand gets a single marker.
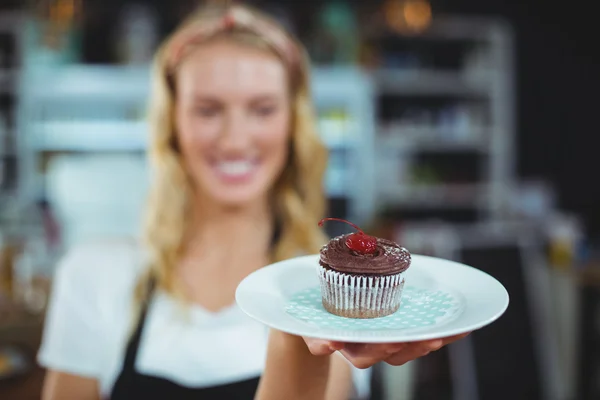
(363, 355)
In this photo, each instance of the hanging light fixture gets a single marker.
(407, 16)
(58, 19)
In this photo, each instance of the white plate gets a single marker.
(441, 298)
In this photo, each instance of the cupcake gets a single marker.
(361, 276)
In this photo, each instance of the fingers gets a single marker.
(413, 351)
(419, 349)
(320, 347)
(372, 349)
(366, 355)
(453, 339)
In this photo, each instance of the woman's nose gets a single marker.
(235, 133)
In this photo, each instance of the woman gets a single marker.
(237, 185)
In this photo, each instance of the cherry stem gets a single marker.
(341, 220)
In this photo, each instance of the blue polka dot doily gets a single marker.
(419, 308)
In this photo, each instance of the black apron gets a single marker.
(131, 385)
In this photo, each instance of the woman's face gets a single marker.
(233, 121)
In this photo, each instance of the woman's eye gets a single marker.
(265, 111)
(206, 111)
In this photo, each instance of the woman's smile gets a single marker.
(236, 171)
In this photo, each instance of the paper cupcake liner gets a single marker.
(356, 296)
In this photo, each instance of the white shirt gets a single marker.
(89, 322)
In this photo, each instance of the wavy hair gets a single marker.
(298, 195)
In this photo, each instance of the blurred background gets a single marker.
(463, 129)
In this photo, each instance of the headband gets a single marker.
(235, 17)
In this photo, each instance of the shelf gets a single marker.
(439, 195)
(438, 116)
(88, 83)
(428, 82)
(433, 140)
(89, 136)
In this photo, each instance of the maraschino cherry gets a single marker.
(360, 242)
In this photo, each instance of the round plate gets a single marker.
(441, 298)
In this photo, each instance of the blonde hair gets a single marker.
(299, 200)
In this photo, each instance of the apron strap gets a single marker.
(134, 341)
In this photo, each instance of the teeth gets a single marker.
(235, 167)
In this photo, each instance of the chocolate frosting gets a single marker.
(388, 259)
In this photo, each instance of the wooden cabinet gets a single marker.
(23, 332)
